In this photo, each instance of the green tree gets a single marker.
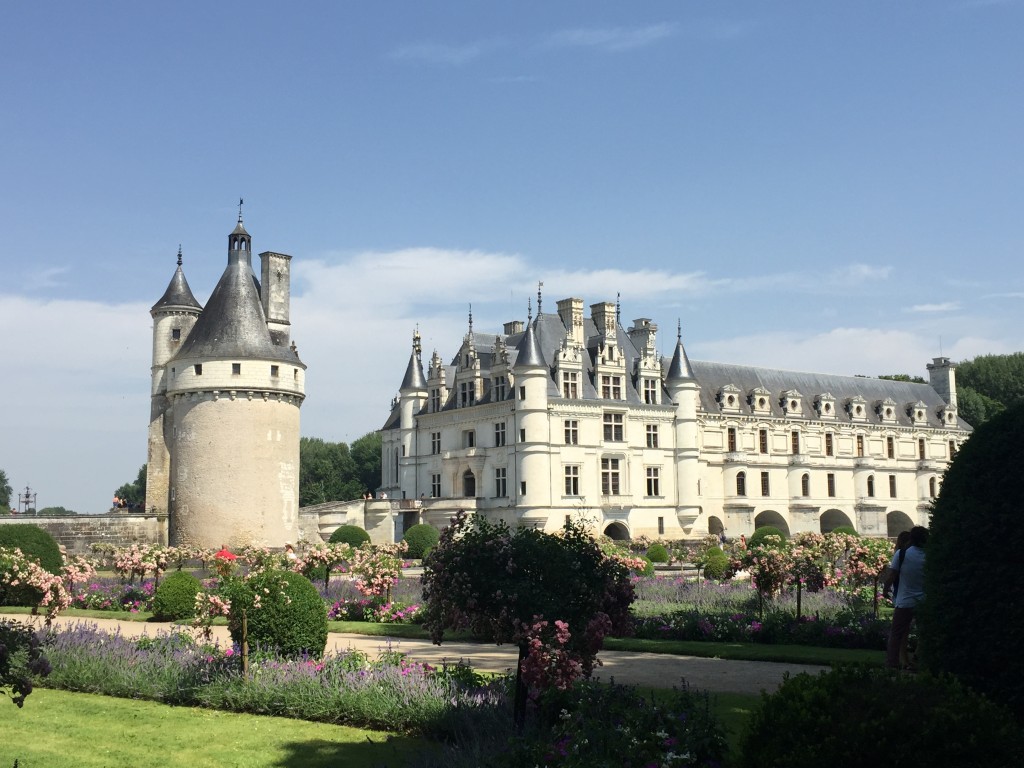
(5, 492)
(366, 454)
(975, 407)
(134, 493)
(903, 377)
(327, 472)
(989, 384)
(55, 512)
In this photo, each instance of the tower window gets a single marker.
(795, 440)
(765, 485)
(860, 445)
(236, 369)
(198, 367)
(920, 449)
(762, 437)
(829, 450)
(890, 447)
(741, 483)
(892, 486)
(176, 334)
(805, 485)
(831, 481)
(732, 439)
(871, 486)
(275, 371)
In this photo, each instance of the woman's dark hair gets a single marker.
(918, 536)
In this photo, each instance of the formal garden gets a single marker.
(559, 599)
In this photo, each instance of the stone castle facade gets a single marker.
(570, 415)
(227, 385)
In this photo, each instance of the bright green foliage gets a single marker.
(716, 563)
(989, 384)
(333, 472)
(849, 530)
(284, 611)
(352, 535)
(175, 598)
(34, 542)
(421, 539)
(5, 493)
(648, 569)
(366, 454)
(55, 512)
(657, 553)
(854, 717)
(134, 493)
(21, 658)
(757, 538)
(972, 621)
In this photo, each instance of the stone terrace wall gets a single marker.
(78, 532)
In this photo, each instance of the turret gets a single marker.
(533, 458)
(412, 398)
(683, 390)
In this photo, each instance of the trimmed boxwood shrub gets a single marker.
(853, 717)
(757, 538)
(291, 616)
(349, 534)
(716, 563)
(849, 530)
(967, 625)
(657, 553)
(175, 598)
(421, 538)
(34, 542)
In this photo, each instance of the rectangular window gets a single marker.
(435, 486)
(236, 369)
(829, 450)
(762, 439)
(652, 435)
(522, 488)
(198, 369)
(522, 435)
(890, 447)
(572, 432)
(611, 387)
(500, 387)
(731, 439)
(435, 443)
(860, 445)
(435, 400)
(653, 481)
(572, 480)
(570, 385)
(500, 482)
(467, 393)
(892, 486)
(795, 440)
(274, 371)
(920, 449)
(469, 439)
(651, 391)
(610, 477)
(831, 484)
(952, 445)
(176, 334)
(613, 427)
(499, 434)
(661, 526)
(522, 393)
(765, 485)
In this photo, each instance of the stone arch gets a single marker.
(897, 522)
(833, 518)
(617, 532)
(468, 484)
(773, 518)
(715, 525)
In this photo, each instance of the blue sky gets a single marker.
(812, 186)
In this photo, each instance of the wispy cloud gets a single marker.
(49, 277)
(613, 39)
(1010, 295)
(948, 306)
(860, 273)
(442, 53)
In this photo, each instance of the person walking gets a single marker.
(910, 568)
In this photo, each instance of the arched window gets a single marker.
(741, 483)
(805, 485)
(931, 487)
(871, 485)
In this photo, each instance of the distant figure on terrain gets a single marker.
(721, 537)
(892, 578)
(909, 566)
(289, 552)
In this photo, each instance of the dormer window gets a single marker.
(887, 410)
(792, 403)
(947, 415)
(759, 400)
(918, 412)
(729, 398)
(825, 405)
(857, 408)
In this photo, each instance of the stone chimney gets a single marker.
(571, 312)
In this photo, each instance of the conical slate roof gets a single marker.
(679, 369)
(233, 323)
(178, 295)
(414, 378)
(528, 351)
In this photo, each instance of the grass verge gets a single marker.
(788, 654)
(58, 729)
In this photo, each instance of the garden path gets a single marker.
(633, 668)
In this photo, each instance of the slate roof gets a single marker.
(414, 378)
(178, 295)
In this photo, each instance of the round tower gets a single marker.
(683, 389)
(174, 316)
(412, 397)
(234, 397)
(532, 440)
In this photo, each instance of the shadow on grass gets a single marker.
(394, 752)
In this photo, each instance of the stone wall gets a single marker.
(77, 533)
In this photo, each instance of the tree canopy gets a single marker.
(5, 492)
(332, 472)
(988, 385)
(134, 494)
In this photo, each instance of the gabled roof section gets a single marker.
(178, 295)
(233, 324)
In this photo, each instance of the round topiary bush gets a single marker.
(34, 542)
(421, 539)
(854, 717)
(967, 625)
(290, 616)
(352, 535)
(648, 566)
(657, 553)
(716, 564)
(849, 530)
(757, 538)
(175, 598)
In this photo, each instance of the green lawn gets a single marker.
(58, 729)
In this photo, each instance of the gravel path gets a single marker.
(647, 669)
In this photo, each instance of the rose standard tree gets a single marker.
(555, 596)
